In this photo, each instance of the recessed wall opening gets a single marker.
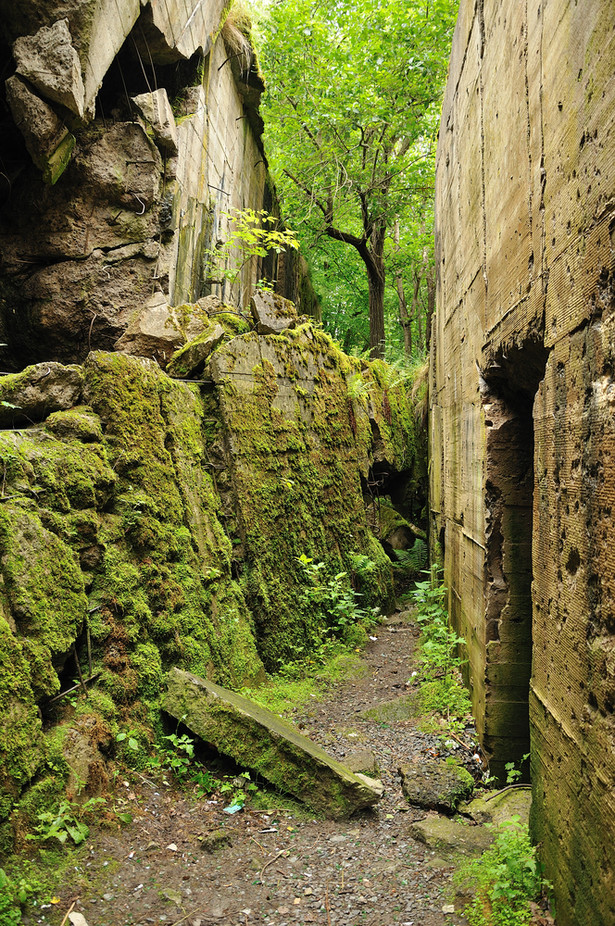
(511, 380)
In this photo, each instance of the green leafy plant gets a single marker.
(205, 783)
(253, 233)
(175, 754)
(504, 880)
(415, 559)
(441, 688)
(513, 774)
(335, 599)
(14, 893)
(65, 822)
(129, 738)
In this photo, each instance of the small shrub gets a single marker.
(336, 601)
(505, 879)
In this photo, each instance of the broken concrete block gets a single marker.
(501, 806)
(272, 313)
(38, 391)
(260, 740)
(48, 60)
(450, 837)
(190, 360)
(156, 110)
(154, 331)
(435, 785)
(47, 139)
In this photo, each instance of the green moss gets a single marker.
(21, 728)
(146, 661)
(296, 465)
(79, 424)
(43, 583)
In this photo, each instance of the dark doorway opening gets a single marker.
(510, 382)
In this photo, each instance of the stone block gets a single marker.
(435, 785)
(156, 110)
(38, 391)
(451, 837)
(49, 142)
(260, 740)
(49, 62)
(272, 313)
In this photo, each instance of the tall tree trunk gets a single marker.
(405, 317)
(375, 279)
(376, 276)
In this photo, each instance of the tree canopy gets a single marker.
(351, 114)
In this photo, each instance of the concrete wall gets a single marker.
(101, 209)
(522, 434)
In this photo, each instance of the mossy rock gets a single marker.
(435, 785)
(260, 740)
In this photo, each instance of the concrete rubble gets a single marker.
(261, 741)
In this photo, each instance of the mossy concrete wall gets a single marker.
(147, 523)
(521, 429)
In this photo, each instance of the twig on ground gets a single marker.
(68, 912)
(327, 908)
(461, 742)
(270, 862)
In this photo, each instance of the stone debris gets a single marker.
(153, 331)
(156, 110)
(38, 391)
(190, 360)
(49, 142)
(49, 62)
(501, 806)
(272, 313)
(260, 740)
(435, 785)
(451, 837)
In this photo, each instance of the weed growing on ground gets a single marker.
(66, 821)
(14, 893)
(298, 683)
(335, 600)
(505, 879)
(441, 689)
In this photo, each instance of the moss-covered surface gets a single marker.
(260, 740)
(146, 524)
(296, 446)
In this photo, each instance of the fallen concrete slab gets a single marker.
(257, 738)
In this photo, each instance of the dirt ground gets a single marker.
(186, 861)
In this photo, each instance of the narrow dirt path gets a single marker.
(186, 862)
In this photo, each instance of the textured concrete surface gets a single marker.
(522, 387)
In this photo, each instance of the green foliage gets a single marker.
(415, 559)
(13, 894)
(441, 688)
(253, 234)
(175, 754)
(65, 822)
(351, 109)
(513, 774)
(505, 879)
(334, 599)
